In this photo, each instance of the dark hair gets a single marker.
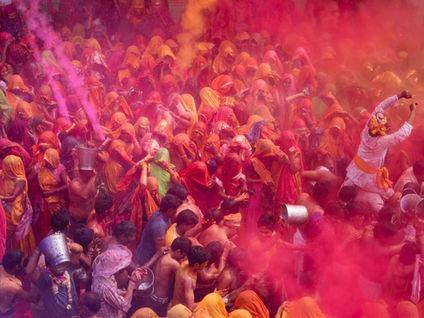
(83, 236)
(169, 202)
(336, 208)
(212, 166)
(357, 208)
(11, 259)
(386, 213)
(187, 217)
(408, 253)
(341, 166)
(415, 187)
(60, 220)
(229, 205)
(418, 167)
(215, 249)
(125, 228)
(91, 301)
(198, 255)
(179, 191)
(267, 220)
(348, 193)
(235, 256)
(104, 202)
(321, 189)
(181, 243)
(214, 215)
(385, 229)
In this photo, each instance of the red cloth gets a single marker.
(2, 231)
(196, 179)
(228, 173)
(287, 183)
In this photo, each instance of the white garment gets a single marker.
(406, 177)
(373, 150)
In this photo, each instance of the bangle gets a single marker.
(144, 166)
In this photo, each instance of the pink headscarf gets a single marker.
(111, 261)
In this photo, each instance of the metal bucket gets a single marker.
(293, 214)
(146, 286)
(408, 202)
(419, 210)
(87, 158)
(55, 250)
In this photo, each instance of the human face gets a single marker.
(122, 278)
(265, 233)
(199, 267)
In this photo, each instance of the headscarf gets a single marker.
(164, 51)
(154, 45)
(306, 78)
(111, 97)
(189, 105)
(161, 175)
(214, 304)
(220, 64)
(13, 168)
(250, 122)
(230, 173)
(251, 302)
(184, 140)
(93, 44)
(265, 73)
(47, 138)
(406, 309)
(8, 147)
(144, 313)
(335, 146)
(223, 84)
(196, 179)
(270, 57)
(226, 114)
(240, 313)
(24, 110)
(264, 148)
(5, 108)
(179, 311)
(78, 30)
(209, 98)
(96, 91)
(111, 261)
(304, 307)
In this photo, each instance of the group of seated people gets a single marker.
(207, 174)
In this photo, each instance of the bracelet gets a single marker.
(144, 166)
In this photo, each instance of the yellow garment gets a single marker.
(334, 145)
(214, 304)
(78, 40)
(144, 313)
(171, 235)
(265, 72)
(111, 98)
(240, 313)
(132, 57)
(189, 105)
(48, 182)
(253, 119)
(179, 311)
(112, 170)
(382, 174)
(209, 98)
(406, 309)
(23, 110)
(13, 170)
(220, 64)
(164, 51)
(154, 45)
(304, 307)
(93, 44)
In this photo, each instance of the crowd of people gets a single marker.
(206, 153)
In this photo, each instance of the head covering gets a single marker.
(305, 307)
(226, 114)
(13, 168)
(163, 177)
(377, 125)
(209, 98)
(93, 44)
(214, 304)
(251, 302)
(24, 110)
(164, 51)
(111, 261)
(17, 83)
(154, 45)
(223, 84)
(52, 157)
(144, 313)
(179, 311)
(265, 148)
(240, 313)
(187, 101)
(406, 309)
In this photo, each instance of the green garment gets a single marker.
(163, 177)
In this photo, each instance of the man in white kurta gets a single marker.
(366, 171)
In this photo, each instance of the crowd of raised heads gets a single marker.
(222, 158)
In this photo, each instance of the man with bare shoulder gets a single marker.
(165, 269)
(186, 277)
(217, 232)
(82, 195)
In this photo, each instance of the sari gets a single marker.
(182, 140)
(221, 64)
(230, 176)
(289, 179)
(5, 108)
(223, 84)
(132, 58)
(338, 145)
(260, 107)
(15, 83)
(46, 140)
(8, 147)
(112, 169)
(144, 313)
(208, 98)
(304, 307)
(111, 98)
(251, 302)
(115, 124)
(19, 211)
(96, 92)
(226, 114)
(197, 180)
(179, 311)
(93, 44)
(154, 45)
(214, 304)
(253, 119)
(240, 313)
(187, 101)
(163, 177)
(43, 95)
(50, 179)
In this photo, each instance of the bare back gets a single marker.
(185, 283)
(80, 207)
(165, 269)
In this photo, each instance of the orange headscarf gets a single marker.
(209, 98)
(96, 91)
(47, 139)
(220, 64)
(132, 57)
(214, 304)
(305, 307)
(111, 97)
(189, 105)
(15, 83)
(223, 84)
(154, 45)
(93, 44)
(23, 110)
(250, 301)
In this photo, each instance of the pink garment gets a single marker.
(2, 230)
(22, 229)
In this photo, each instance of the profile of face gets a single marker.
(264, 233)
(199, 267)
(127, 239)
(122, 278)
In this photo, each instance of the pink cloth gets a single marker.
(2, 230)
(22, 229)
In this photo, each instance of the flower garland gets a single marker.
(62, 281)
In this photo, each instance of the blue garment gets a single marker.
(55, 305)
(155, 230)
(254, 132)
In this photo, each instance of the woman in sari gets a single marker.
(115, 103)
(52, 178)
(260, 102)
(14, 198)
(251, 302)
(96, 92)
(163, 170)
(214, 305)
(304, 307)
(185, 112)
(230, 178)
(226, 114)
(45, 141)
(114, 126)
(289, 179)
(16, 91)
(183, 151)
(335, 140)
(179, 311)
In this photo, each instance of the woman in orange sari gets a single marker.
(14, 198)
(251, 302)
(16, 91)
(53, 182)
(96, 92)
(45, 141)
(115, 103)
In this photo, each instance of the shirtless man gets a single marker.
(216, 232)
(11, 290)
(186, 277)
(82, 195)
(165, 269)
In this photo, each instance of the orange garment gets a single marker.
(96, 92)
(132, 57)
(147, 62)
(46, 140)
(214, 305)
(23, 110)
(304, 307)
(209, 98)
(221, 63)
(93, 44)
(264, 148)
(253, 119)
(382, 174)
(406, 309)
(265, 73)
(164, 51)
(14, 170)
(222, 84)
(112, 170)
(15, 83)
(115, 124)
(44, 93)
(116, 103)
(335, 145)
(250, 301)
(190, 106)
(68, 49)
(154, 45)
